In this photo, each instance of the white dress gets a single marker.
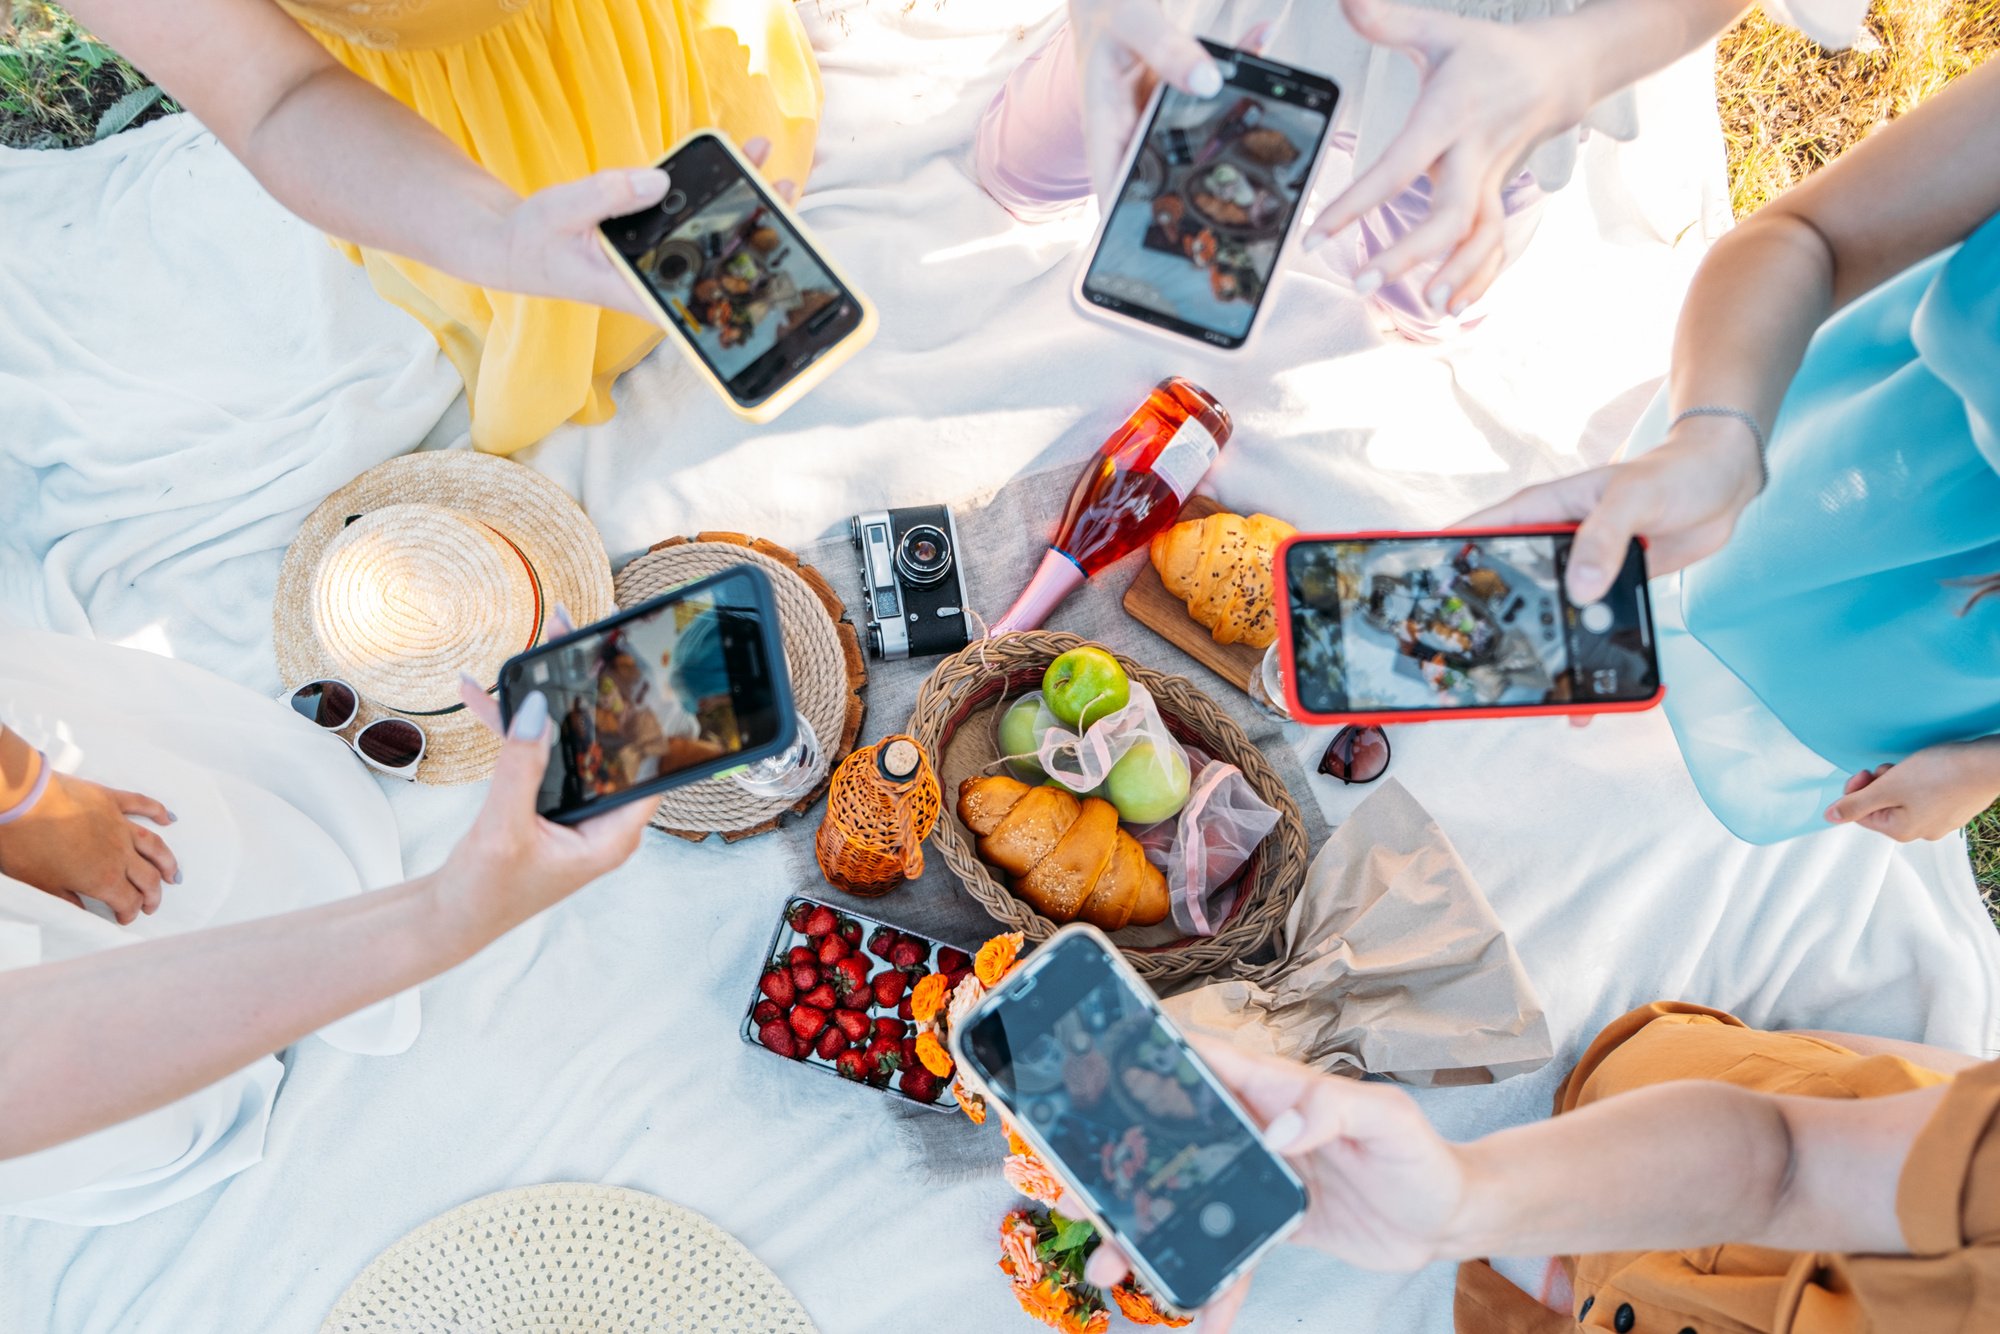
(272, 815)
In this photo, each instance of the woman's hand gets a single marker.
(548, 242)
(1384, 1187)
(78, 842)
(1933, 793)
(513, 863)
(1488, 94)
(1124, 47)
(1682, 497)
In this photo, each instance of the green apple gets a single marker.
(1148, 784)
(1085, 684)
(1021, 738)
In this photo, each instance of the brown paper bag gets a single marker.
(1391, 963)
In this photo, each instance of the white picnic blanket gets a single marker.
(185, 371)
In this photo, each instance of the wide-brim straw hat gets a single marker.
(425, 566)
(579, 1258)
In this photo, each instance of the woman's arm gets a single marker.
(349, 158)
(119, 1032)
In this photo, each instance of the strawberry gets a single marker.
(890, 1028)
(886, 1053)
(820, 921)
(908, 953)
(879, 1077)
(821, 997)
(768, 1011)
(849, 930)
(851, 1065)
(905, 1011)
(888, 986)
(778, 1037)
(801, 954)
(952, 979)
(796, 915)
(850, 977)
(807, 1020)
(882, 942)
(805, 976)
(853, 1023)
(832, 950)
(910, 1060)
(776, 984)
(950, 960)
(831, 1043)
(920, 1084)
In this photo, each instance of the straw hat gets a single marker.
(571, 1257)
(425, 566)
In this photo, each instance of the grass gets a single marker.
(1788, 108)
(60, 87)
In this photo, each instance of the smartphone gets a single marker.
(1211, 188)
(674, 690)
(727, 268)
(1075, 1049)
(1400, 627)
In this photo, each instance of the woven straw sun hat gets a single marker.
(425, 566)
(570, 1257)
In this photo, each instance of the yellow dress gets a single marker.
(540, 92)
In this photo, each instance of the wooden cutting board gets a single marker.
(1148, 602)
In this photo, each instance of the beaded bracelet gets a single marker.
(35, 790)
(1736, 414)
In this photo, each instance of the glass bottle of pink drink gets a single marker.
(1129, 493)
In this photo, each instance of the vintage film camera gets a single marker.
(911, 582)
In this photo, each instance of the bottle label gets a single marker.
(1186, 458)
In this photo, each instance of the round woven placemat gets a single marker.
(822, 654)
(569, 1256)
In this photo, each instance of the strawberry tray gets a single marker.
(834, 993)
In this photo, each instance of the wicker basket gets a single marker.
(966, 685)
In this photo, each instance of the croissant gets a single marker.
(1067, 856)
(1221, 567)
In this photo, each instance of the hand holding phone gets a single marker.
(1074, 1049)
(1399, 627)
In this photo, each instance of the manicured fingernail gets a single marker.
(177, 876)
(1284, 1129)
(172, 818)
(466, 678)
(1205, 80)
(1254, 39)
(531, 721)
(1368, 284)
(1831, 816)
(648, 183)
(562, 614)
(1458, 306)
(1438, 296)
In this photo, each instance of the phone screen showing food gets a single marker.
(1194, 236)
(1133, 1120)
(752, 299)
(684, 683)
(1458, 621)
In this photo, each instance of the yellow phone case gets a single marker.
(805, 380)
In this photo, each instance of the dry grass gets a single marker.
(1789, 107)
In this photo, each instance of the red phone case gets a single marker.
(1282, 591)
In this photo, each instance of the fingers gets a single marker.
(1564, 500)
(1253, 40)
(137, 803)
(1863, 779)
(1448, 292)
(477, 702)
(1389, 25)
(1580, 719)
(1107, 1266)
(1603, 539)
(758, 150)
(144, 878)
(122, 897)
(1482, 278)
(1220, 1315)
(517, 778)
(1861, 802)
(1166, 49)
(562, 622)
(1408, 156)
(608, 194)
(1455, 205)
(157, 854)
(1894, 822)
(615, 835)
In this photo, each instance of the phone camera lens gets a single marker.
(674, 202)
(923, 556)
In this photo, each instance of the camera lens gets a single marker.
(923, 556)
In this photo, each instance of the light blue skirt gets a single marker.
(1831, 634)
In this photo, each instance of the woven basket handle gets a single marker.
(912, 844)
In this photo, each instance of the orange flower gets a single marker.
(1047, 1301)
(1099, 1322)
(995, 957)
(1032, 1177)
(1015, 1144)
(1018, 1236)
(1138, 1308)
(927, 998)
(932, 1053)
(969, 1102)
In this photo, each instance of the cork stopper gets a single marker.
(899, 760)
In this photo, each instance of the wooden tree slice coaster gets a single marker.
(822, 654)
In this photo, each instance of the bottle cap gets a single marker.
(899, 759)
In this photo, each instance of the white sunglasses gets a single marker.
(395, 746)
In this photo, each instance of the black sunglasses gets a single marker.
(1356, 755)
